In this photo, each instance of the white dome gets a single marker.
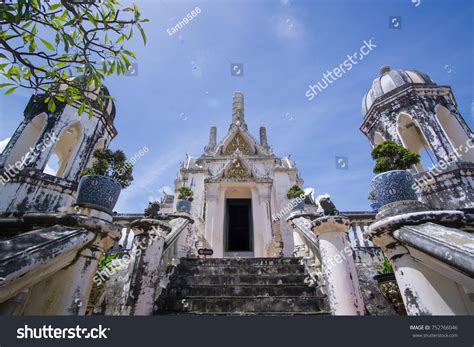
(390, 80)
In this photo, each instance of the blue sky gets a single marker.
(184, 83)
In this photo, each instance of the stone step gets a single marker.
(237, 279)
(247, 269)
(242, 304)
(278, 314)
(299, 290)
(239, 261)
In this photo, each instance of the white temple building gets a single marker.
(239, 185)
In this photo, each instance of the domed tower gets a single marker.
(41, 165)
(407, 107)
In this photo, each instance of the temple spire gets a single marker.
(238, 117)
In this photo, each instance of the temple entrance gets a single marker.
(239, 233)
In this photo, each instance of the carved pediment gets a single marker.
(237, 169)
(237, 143)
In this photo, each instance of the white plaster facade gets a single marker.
(239, 167)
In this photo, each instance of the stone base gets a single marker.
(400, 207)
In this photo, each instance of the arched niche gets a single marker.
(455, 133)
(412, 138)
(378, 138)
(28, 139)
(99, 145)
(65, 149)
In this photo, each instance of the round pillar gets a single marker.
(338, 265)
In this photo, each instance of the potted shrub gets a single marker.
(393, 182)
(296, 196)
(388, 286)
(185, 196)
(100, 184)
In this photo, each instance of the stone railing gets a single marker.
(323, 242)
(175, 247)
(306, 247)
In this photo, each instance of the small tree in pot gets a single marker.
(100, 184)
(185, 196)
(296, 196)
(393, 182)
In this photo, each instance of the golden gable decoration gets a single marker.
(237, 170)
(238, 142)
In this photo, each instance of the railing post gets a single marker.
(67, 291)
(338, 265)
(150, 237)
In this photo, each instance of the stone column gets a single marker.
(150, 237)
(338, 265)
(67, 291)
(218, 228)
(211, 210)
(424, 291)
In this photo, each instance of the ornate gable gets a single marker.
(237, 143)
(237, 169)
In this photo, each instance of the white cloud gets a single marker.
(3, 144)
(166, 189)
(145, 180)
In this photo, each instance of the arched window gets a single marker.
(456, 135)
(413, 139)
(378, 138)
(65, 149)
(28, 138)
(99, 145)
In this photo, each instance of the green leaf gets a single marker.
(47, 44)
(80, 111)
(51, 105)
(5, 84)
(11, 90)
(142, 32)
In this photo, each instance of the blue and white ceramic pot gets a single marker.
(183, 206)
(393, 186)
(98, 192)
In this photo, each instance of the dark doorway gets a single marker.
(239, 225)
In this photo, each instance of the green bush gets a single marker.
(385, 266)
(294, 192)
(185, 193)
(389, 155)
(105, 260)
(111, 164)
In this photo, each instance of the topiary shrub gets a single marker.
(185, 193)
(111, 164)
(294, 192)
(389, 155)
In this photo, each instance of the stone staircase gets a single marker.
(240, 286)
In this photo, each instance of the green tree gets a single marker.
(45, 44)
(389, 155)
(185, 193)
(111, 164)
(294, 192)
